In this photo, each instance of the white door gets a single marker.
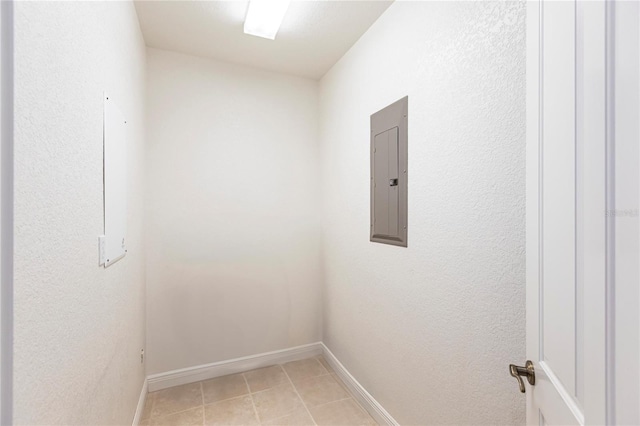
(567, 226)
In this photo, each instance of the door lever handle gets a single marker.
(526, 371)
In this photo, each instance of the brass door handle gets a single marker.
(526, 371)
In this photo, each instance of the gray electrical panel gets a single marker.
(389, 174)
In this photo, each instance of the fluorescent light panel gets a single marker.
(264, 17)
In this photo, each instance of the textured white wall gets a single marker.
(233, 227)
(429, 330)
(79, 327)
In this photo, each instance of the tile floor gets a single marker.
(305, 392)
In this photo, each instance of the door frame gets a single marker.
(6, 210)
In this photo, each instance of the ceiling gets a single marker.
(313, 35)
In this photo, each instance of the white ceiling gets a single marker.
(313, 35)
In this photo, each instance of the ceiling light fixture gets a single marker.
(264, 17)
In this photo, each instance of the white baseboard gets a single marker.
(141, 401)
(232, 366)
(365, 399)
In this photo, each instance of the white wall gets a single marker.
(430, 330)
(79, 327)
(233, 260)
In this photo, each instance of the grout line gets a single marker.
(171, 414)
(153, 405)
(204, 420)
(310, 377)
(253, 403)
(246, 382)
(301, 400)
(351, 397)
(323, 367)
(226, 399)
(268, 388)
(344, 386)
(263, 390)
(331, 402)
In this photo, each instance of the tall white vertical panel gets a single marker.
(112, 245)
(625, 103)
(567, 185)
(558, 192)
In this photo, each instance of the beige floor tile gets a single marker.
(262, 396)
(265, 378)
(341, 383)
(276, 402)
(173, 400)
(300, 417)
(304, 368)
(324, 363)
(340, 413)
(236, 411)
(320, 390)
(225, 387)
(192, 417)
(148, 405)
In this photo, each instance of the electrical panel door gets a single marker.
(389, 174)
